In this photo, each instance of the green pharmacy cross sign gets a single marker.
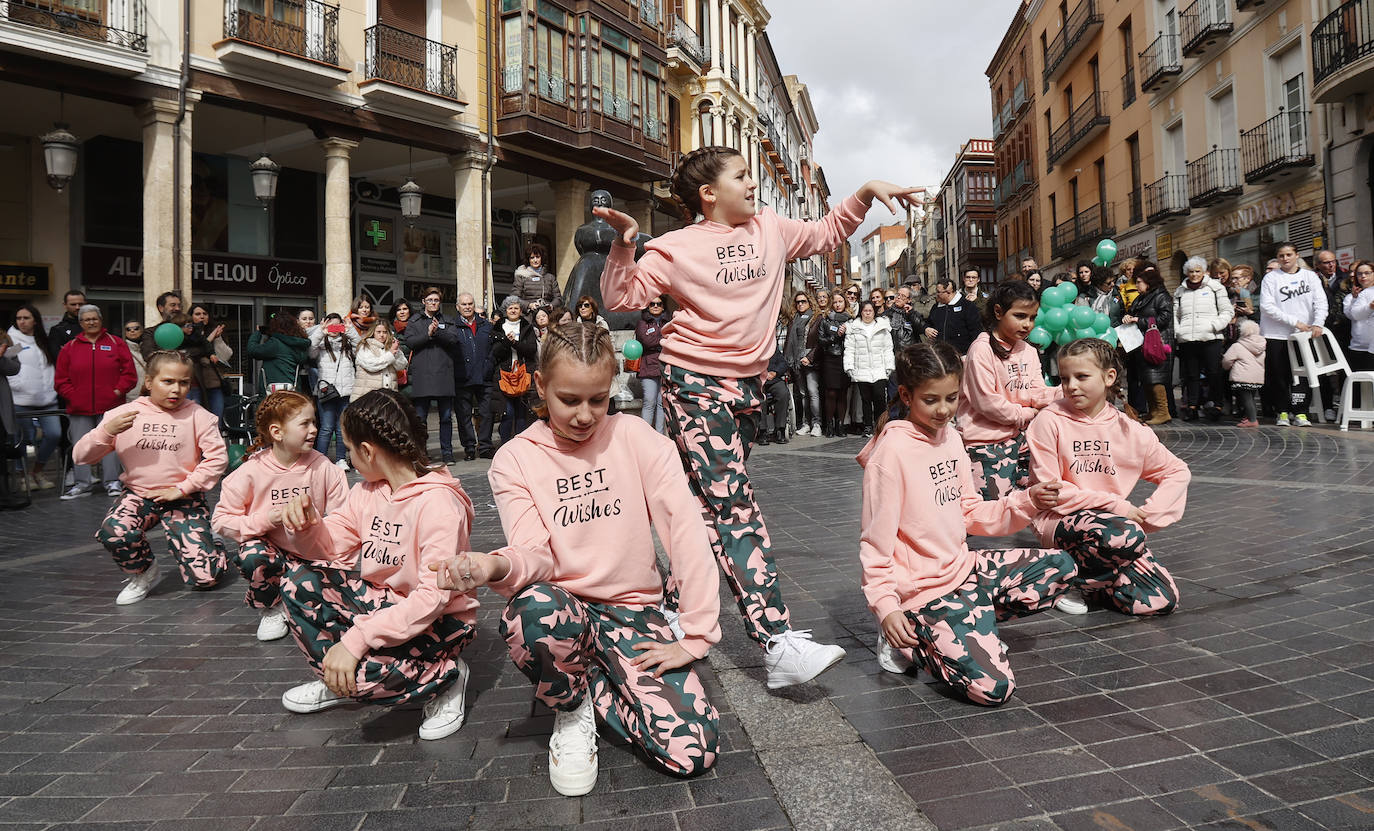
(376, 233)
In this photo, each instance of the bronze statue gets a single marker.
(594, 241)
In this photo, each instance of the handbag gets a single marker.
(514, 381)
(326, 392)
(1155, 350)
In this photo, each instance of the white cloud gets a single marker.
(897, 85)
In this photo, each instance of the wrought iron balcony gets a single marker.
(1160, 63)
(1087, 120)
(687, 42)
(1013, 183)
(1203, 24)
(1128, 88)
(1214, 177)
(1343, 52)
(399, 57)
(306, 28)
(122, 23)
(1088, 226)
(1082, 23)
(1276, 147)
(1166, 198)
(734, 74)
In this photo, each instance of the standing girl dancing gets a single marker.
(726, 273)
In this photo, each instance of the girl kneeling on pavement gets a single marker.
(252, 497)
(937, 602)
(365, 609)
(1099, 454)
(172, 454)
(577, 495)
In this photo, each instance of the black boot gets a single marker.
(762, 438)
(780, 437)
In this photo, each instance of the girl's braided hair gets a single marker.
(277, 408)
(1103, 354)
(585, 343)
(699, 167)
(162, 358)
(386, 419)
(921, 362)
(1004, 296)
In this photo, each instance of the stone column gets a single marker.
(338, 245)
(159, 203)
(718, 44)
(751, 61)
(184, 213)
(722, 136)
(643, 212)
(570, 204)
(470, 258)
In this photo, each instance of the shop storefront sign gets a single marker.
(1140, 245)
(1164, 246)
(1266, 210)
(26, 279)
(376, 265)
(111, 267)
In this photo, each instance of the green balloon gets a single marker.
(1083, 333)
(237, 454)
(168, 336)
(1055, 319)
(1082, 317)
(1106, 249)
(1101, 322)
(1065, 337)
(1068, 291)
(1050, 298)
(1110, 336)
(632, 349)
(1099, 262)
(1040, 336)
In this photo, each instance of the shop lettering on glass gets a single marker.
(106, 267)
(1268, 210)
(25, 278)
(579, 497)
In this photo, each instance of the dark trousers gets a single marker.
(1194, 359)
(474, 400)
(1280, 392)
(874, 397)
(445, 420)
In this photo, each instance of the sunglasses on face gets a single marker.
(891, 297)
(133, 328)
(584, 305)
(655, 302)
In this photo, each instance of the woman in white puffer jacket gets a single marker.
(379, 360)
(333, 344)
(1202, 310)
(34, 390)
(869, 360)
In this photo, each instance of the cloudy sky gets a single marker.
(897, 85)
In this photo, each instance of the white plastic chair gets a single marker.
(1363, 382)
(1311, 359)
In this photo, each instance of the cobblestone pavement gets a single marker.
(1249, 708)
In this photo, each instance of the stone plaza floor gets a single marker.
(1249, 708)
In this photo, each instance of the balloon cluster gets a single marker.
(1062, 322)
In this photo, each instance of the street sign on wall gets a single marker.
(113, 267)
(25, 278)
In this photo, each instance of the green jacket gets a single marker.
(281, 355)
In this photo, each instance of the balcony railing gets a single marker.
(409, 60)
(121, 23)
(1011, 110)
(648, 12)
(1341, 38)
(1214, 177)
(1203, 24)
(734, 74)
(1086, 227)
(1160, 62)
(1128, 88)
(1166, 197)
(1276, 147)
(1083, 21)
(687, 41)
(1012, 183)
(1087, 119)
(307, 28)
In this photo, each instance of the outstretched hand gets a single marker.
(623, 223)
(889, 194)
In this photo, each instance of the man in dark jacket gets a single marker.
(472, 377)
(955, 320)
(907, 323)
(66, 329)
(168, 304)
(433, 343)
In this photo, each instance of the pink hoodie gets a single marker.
(391, 538)
(1098, 459)
(179, 447)
(248, 495)
(578, 514)
(919, 505)
(998, 398)
(726, 280)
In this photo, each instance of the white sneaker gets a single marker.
(311, 697)
(444, 715)
(1301, 421)
(138, 586)
(572, 749)
(674, 618)
(43, 483)
(114, 490)
(76, 492)
(272, 625)
(794, 658)
(1071, 602)
(1282, 420)
(889, 659)
(342, 464)
(815, 429)
(69, 479)
(1329, 415)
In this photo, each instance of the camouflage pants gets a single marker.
(1000, 468)
(124, 533)
(321, 605)
(261, 563)
(714, 421)
(570, 648)
(1114, 563)
(958, 632)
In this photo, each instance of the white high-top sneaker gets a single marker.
(794, 658)
(444, 715)
(572, 750)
